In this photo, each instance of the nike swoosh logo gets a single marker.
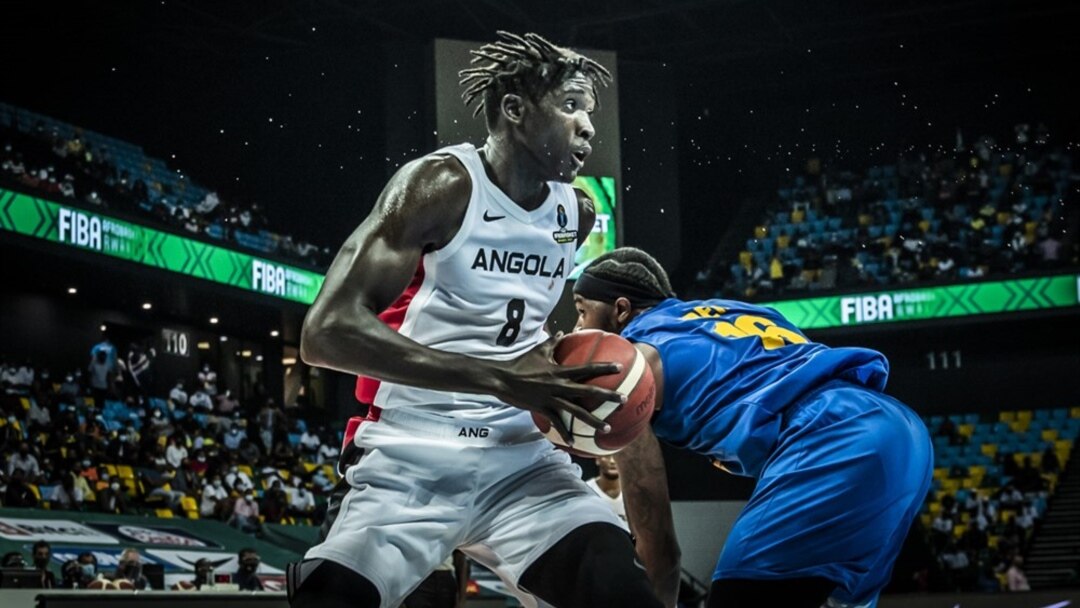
(492, 218)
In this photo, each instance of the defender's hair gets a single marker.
(527, 64)
(634, 268)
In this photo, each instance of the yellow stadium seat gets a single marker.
(783, 241)
(971, 483)
(192, 514)
(1006, 416)
(187, 503)
(110, 469)
(246, 470)
(935, 508)
(328, 470)
(977, 470)
(130, 485)
(1074, 412)
(25, 403)
(746, 260)
(283, 474)
(1049, 435)
(958, 530)
(1023, 416)
(125, 472)
(761, 232)
(966, 429)
(88, 401)
(952, 485)
(992, 541)
(309, 466)
(36, 490)
(1036, 459)
(1063, 444)
(941, 473)
(1063, 457)
(164, 513)
(1019, 426)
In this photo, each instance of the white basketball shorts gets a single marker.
(427, 485)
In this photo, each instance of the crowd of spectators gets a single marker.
(72, 168)
(83, 572)
(95, 440)
(980, 209)
(979, 536)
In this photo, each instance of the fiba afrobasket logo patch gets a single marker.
(562, 235)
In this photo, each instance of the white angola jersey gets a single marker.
(489, 291)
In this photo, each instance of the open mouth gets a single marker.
(579, 157)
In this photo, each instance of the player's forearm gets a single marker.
(365, 346)
(659, 553)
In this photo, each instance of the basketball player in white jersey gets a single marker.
(485, 238)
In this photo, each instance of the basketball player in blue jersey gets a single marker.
(472, 247)
(842, 468)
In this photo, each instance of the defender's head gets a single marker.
(618, 286)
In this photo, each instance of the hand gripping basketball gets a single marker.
(627, 416)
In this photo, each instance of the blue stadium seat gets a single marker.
(971, 418)
(835, 223)
(294, 439)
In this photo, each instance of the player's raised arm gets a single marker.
(420, 210)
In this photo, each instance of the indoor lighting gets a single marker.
(224, 339)
(103, 328)
(274, 333)
(245, 353)
(213, 320)
(258, 358)
(147, 306)
(72, 290)
(203, 345)
(288, 361)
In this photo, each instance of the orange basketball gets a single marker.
(636, 381)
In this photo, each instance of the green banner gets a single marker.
(103, 234)
(963, 300)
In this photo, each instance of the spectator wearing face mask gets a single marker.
(102, 376)
(178, 397)
(130, 569)
(208, 380)
(204, 576)
(201, 400)
(88, 569)
(245, 515)
(112, 499)
(24, 460)
(199, 465)
(213, 495)
(245, 576)
(18, 493)
(234, 438)
(176, 453)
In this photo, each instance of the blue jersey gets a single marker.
(732, 369)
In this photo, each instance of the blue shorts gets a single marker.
(836, 499)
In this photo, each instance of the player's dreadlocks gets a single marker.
(527, 64)
(625, 272)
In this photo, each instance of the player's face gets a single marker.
(593, 314)
(560, 129)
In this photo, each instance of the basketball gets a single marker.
(628, 419)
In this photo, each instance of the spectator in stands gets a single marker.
(267, 421)
(26, 461)
(213, 494)
(178, 397)
(239, 480)
(274, 503)
(234, 438)
(175, 453)
(199, 466)
(247, 565)
(226, 403)
(42, 556)
(38, 418)
(310, 443)
(249, 452)
(130, 569)
(88, 569)
(245, 515)
(941, 530)
(204, 576)
(1015, 578)
(70, 575)
(1010, 496)
(111, 499)
(69, 389)
(301, 500)
(208, 380)
(1007, 460)
(66, 495)
(957, 566)
(19, 493)
(201, 400)
(328, 452)
(102, 377)
(1026, 516)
